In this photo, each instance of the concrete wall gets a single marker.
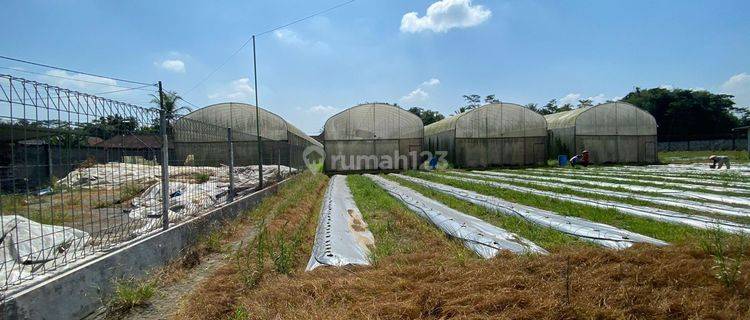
(80, 291)
(704, 145)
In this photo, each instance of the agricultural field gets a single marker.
(539, 243)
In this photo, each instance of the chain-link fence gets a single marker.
(81, 174)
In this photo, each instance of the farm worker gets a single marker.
(718, 161)
(582, 159)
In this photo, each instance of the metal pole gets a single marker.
(278, 164)
(164, 163)
(230, 195)
(257, 120)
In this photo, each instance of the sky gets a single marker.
(414, 53)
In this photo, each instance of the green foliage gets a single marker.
(719, 245)
(131, 293)
(241, 313)
(684, 114)
(427, 116)
(201, 177)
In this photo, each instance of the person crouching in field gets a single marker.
(582, 159)
(718, 161)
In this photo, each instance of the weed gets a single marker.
(240, 313)
(201, 177)
(717, 244)
(131, 293)
(212, 242)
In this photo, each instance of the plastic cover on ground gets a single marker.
(694, 205)
(599, 233)
(28, 246)
(629, 173)
(683, 194)
(342, 237)
(693, 186)
(483, 238)
(669, 216)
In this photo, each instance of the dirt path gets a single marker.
(169, 297)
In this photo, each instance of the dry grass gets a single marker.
(575, 282)
(290, 212)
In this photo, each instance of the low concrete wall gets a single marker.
(704, 145)
(81, 290)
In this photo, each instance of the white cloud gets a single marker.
(79, 81)
(738, 85)
(444, 15)
(288, 36)
(666, 86)
(415, 96)
(237, 90)
(291, 38)
(571, 98)
(597, 99)
(431, 82)
(174, 65)
(323, 110)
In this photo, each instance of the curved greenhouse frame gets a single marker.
(205, 130)
(373, 136)
(614, 132)
(498, 134)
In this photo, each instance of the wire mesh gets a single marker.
(81, 174)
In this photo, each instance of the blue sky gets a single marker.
(414, 53)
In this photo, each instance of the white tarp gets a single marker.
(682, 194)
(483, 238)
(601, 172)
(599, 233)
(342, 237)
(28, 246)
(709, 207)
(669, 216)
(680, 185)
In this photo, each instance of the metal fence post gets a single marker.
(257, 121)
(164, 163)
(230, 194)
(278, 164)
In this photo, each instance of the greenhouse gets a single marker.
(201, 137)
(372, 136)
(502, 134)
(614, 132)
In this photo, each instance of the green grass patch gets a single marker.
(701, 156)
(396, 229)
(603, 196)
(131, 293)
(633, 181)
(672, 233)
(542, 236)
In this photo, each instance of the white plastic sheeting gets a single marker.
(342, 237)
(599, 233)
(708, 207)
(707, 183)
(684, 186)
(188, 199)
(669, 216)
(484, 239)
(28, 246)
(683, 194)
(669, 171)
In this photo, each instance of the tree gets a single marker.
(472, 101)
(533, 107)
(170, 109)
(490, 99)
(427, 116)
(585, 103)
(687, 114)
(109, 126)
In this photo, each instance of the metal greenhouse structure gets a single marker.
(372, 136)
(492, 135)
(615, 132)
(204, 131)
